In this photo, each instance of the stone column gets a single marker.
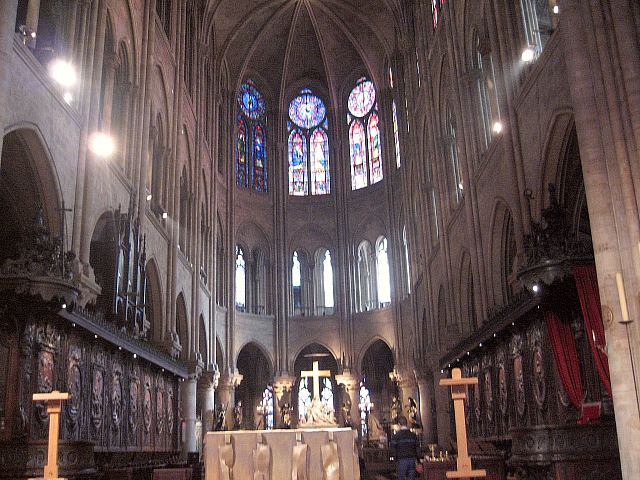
(225, 395)
(33, 15)
(609, 159)
(425, 387)
(206, 396)
(8, 10)
(282, 393)
(443, 413)
(351, 387)
(188, 390)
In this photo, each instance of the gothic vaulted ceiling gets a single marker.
(287, 42)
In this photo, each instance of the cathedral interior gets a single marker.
(222, 197)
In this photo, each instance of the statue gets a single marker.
(346, 413)
(318, 415)
(285, 415)
(412, 410)
(396, 409)
(220, 417)
(237, 416)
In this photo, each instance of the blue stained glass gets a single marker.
(362, 98)
(297, 163)
(358, 156)
(259, 159)
(307, 110)
(251, 101)
(319, 163)
(241, 154)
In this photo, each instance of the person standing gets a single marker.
(404, 449)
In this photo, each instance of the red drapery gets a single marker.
(587, 285)
(566, 356)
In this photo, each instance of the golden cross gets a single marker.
(458, 394)
(54, 406)
(315, 374)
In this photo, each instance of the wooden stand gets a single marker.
(458, 394)
(54, 406)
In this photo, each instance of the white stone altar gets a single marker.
(301, 454)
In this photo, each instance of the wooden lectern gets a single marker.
(54, 406)
(458, 394)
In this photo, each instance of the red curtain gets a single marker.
(587, 285)
(566, 356)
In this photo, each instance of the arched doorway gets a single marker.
(257, 375)
(377, 364)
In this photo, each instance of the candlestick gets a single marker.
(623, 298)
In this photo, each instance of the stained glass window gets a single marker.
(307, 110)
(241, 153)
(259, 170)
(364, 407)
(308, 146)
(362, 98)
(296, 282)
(375, 151)
(436, 9)
(251, 101)
(326, 395)
(267, 407)
(297, 163)
(396, 133)
(251, 139)
(304, 397)
(358, 155)
(365, 148)
(319, 162)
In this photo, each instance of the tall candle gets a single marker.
(622, 296)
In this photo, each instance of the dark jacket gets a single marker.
(404, 444)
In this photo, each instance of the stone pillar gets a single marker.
(33, 15)
(425, 387)
(351, 387)
(225, 395)
(282, 393)
(408, 389)
(206, 399)
(188, 389)
(8, 9)
(443, 413)
(609, 158)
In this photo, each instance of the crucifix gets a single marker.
(458, 394)
(315, 374)
(54, 406)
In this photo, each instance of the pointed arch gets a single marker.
(153, 302)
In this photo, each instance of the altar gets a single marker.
(300, 454)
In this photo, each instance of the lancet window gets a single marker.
(251, 139)
(364, 135)
(309, 171)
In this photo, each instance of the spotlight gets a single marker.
(26, 33)
(497, 127)
(528, 55)
(556, 9)
(67, 97)
(535, 288)
(165, 215)
(460, 186)
(135, 355)
(95, 336)
(149, 197)
(64, 306)
(101, 144)
(63, 73)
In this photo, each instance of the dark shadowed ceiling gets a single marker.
(283, 44)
